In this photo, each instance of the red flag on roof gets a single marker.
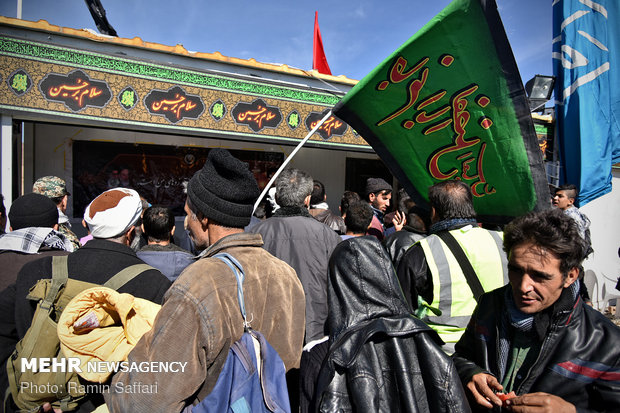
(319, 61)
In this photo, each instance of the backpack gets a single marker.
(30, 388)
(245, 384)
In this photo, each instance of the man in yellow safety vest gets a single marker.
(444, 274)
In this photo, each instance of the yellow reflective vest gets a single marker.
(453, 301)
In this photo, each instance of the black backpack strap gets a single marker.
(124, 276)
(468, 270)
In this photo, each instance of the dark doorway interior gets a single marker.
(158, 172)
(358, 170)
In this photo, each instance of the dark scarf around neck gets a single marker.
(292, 211)
(448, 224)
(538, 324)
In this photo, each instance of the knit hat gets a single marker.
(224, 190)
(33, 210)
(50, 186)
(113, 212)
(374, 185)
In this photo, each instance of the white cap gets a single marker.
(113, 212)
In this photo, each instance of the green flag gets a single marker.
(450, 104)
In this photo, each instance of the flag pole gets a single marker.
(287, 160)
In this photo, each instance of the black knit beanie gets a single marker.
(33, 210)
(224, 190)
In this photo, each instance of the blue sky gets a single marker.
(357, 35)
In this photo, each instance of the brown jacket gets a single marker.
(200, 319)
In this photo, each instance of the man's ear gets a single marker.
(171, 232)
(434, 217)
(571, 201)
(307, 201)
(204, 222)
(130, 234)
(571, 277)
(142, 227)
(55, 227)
(372, 197)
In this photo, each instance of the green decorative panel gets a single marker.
(135, 68)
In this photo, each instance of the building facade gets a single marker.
(102, 111)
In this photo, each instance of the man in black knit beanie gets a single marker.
(33, 234)
(200, 317)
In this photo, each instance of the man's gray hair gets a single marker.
(292, 187)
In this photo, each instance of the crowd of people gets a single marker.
(370, 310)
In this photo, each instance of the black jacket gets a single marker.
(399, 242)
(12, 261)
(579, 360)
(330, 219)
(95, 262)
(381, 359)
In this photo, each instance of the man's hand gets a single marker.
(482, 387)
(539, 402)
(48, 408)
(399, 220)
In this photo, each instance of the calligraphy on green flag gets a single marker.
(450, 104)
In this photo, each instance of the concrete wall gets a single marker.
(604, 263)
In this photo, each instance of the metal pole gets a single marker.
(22, 191)
(19, 9)
(6, 160)
(287, 160)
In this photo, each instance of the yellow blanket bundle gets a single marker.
(101, 324)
